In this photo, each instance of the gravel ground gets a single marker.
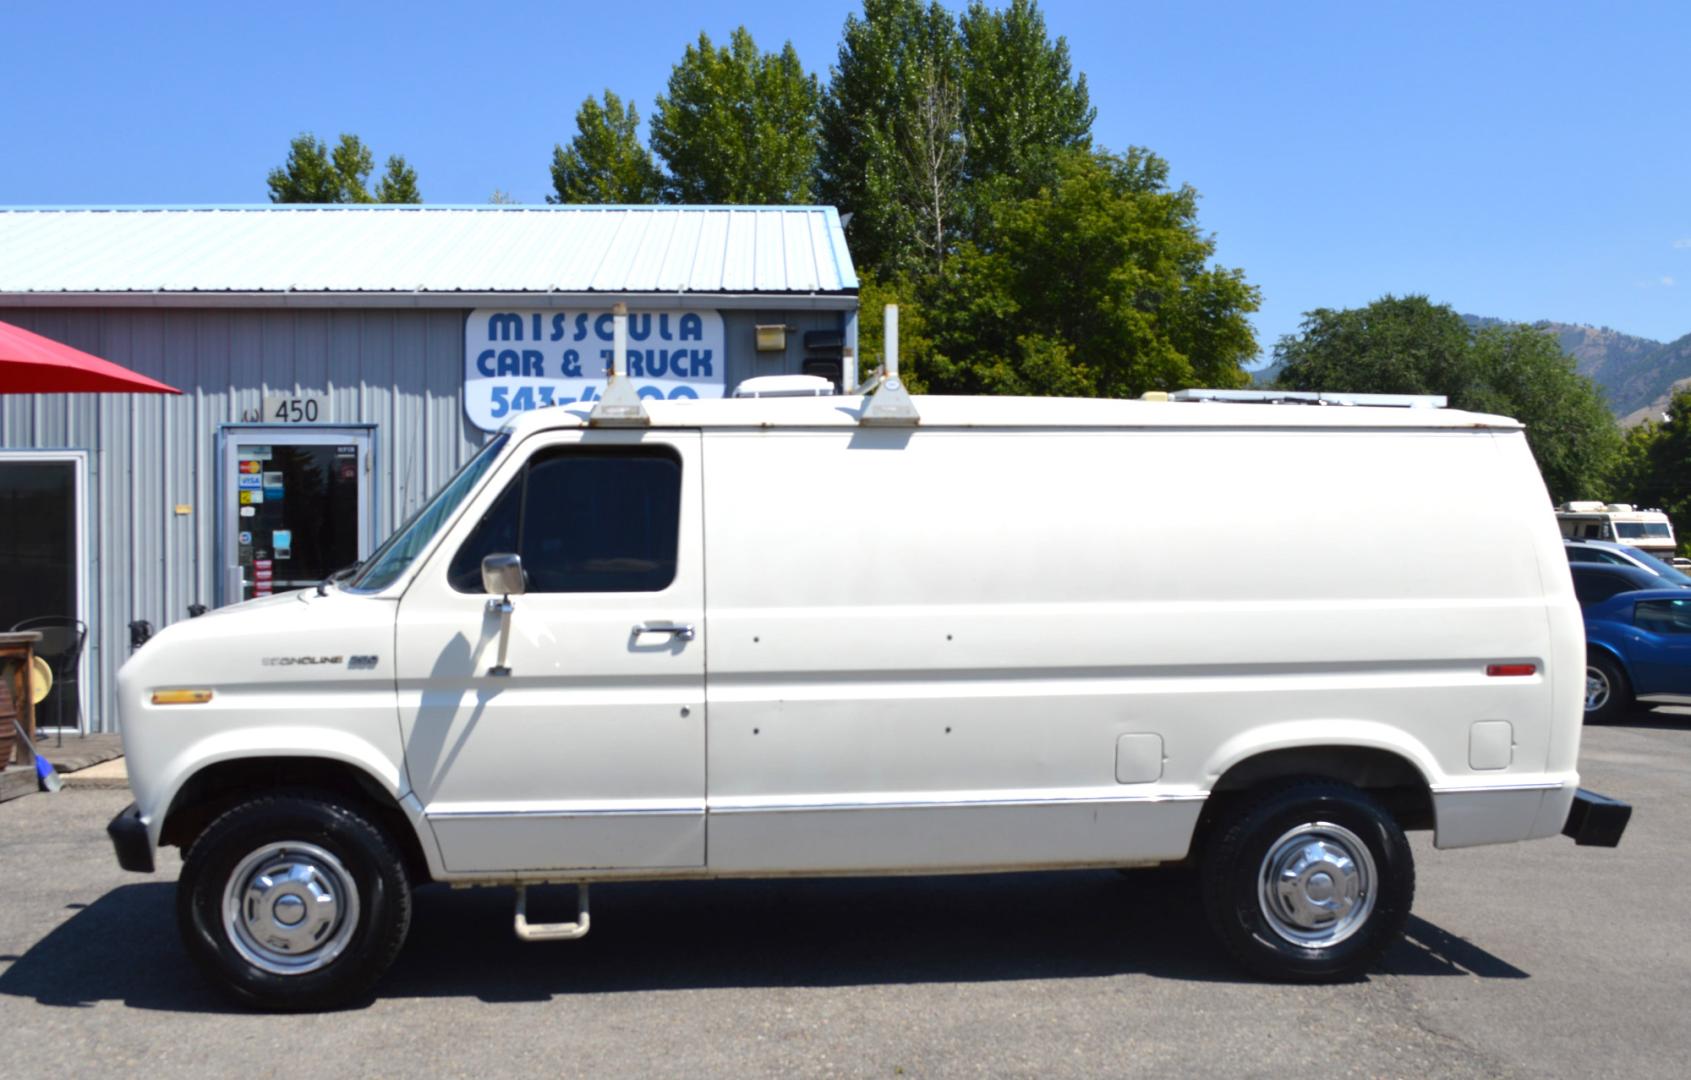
(1534, 959)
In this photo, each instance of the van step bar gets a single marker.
(558, 931)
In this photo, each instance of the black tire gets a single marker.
(1614, 698)
(301, 828)
(1235, 867)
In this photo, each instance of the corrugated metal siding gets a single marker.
(424, 249)
(399, 370)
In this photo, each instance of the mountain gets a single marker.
(1659, 375)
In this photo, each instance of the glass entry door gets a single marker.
(295, 507)
(42, 555)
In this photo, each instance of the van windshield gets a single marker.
(409, 540)
(1643, 530)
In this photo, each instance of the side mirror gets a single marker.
(502, 575)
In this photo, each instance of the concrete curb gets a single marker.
(113, 774)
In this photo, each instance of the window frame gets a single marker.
(540, 455)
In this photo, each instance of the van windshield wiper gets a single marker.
(339, 575)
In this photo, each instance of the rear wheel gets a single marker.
(1608, 694)
(1310, 882)
(294, 901)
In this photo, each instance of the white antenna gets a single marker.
(620, 405)
(886, 401)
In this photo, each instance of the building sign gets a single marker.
(520, 360)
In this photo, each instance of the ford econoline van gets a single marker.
(811, 636)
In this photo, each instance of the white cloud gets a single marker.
(1682, 243)
(1667, 281)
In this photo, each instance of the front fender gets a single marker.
(290, 741)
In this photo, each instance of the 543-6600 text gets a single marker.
(507, 399)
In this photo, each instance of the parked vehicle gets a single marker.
(1647, 530)
(1638, 644)
(825, 636)
(1601, 551)
(1596, 582)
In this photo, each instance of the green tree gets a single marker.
(1099, 284)
(399, 183)
(605, 161)
(314, 173)
(1024, 101)
(1654, 465)
(895, 92)
(1396, 345)
(1409, 345)
(924, 112)
(738, 125)
(1522, 372)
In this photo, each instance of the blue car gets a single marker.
(1637, 644)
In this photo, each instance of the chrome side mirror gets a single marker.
(502, 575)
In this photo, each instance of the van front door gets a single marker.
(588, 751)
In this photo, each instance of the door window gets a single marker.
(38, 570)
(584, 520)
(297, 506)
(1663, 616)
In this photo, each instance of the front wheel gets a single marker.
(294, 901)
(1310, 882)
(1608, 694)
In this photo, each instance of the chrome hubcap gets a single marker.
(1316, 885)
(290, 908)
(1596, 689)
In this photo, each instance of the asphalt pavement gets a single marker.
(1538, 959)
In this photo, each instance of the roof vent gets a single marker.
(785, 386)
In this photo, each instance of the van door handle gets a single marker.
(681, 631)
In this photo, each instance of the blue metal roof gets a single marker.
(422, 250)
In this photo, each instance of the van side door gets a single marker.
(589, 752)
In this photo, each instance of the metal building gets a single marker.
(337, 365)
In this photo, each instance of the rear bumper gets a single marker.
(1596, 820)
(129, 840)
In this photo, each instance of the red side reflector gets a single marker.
(1511, 669)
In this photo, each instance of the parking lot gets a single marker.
(1531, 960)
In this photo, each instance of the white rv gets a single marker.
(883, 635)
(1620, 523)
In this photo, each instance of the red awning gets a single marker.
(32, 364)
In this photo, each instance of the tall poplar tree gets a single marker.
(314, 173)
(605, 162)
(737, 125)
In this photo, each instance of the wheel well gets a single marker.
(1391, 778)
(1610, 653)
(216, 788)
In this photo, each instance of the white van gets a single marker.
(752, 638)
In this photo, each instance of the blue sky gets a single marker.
(1522, 160)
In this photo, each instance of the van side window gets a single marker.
(584, 519)
(1662, 616)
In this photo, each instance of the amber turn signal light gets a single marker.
(181, 697)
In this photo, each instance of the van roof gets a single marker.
(1022, 412)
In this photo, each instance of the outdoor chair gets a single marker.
(62, 639)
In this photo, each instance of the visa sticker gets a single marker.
(248, 480)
